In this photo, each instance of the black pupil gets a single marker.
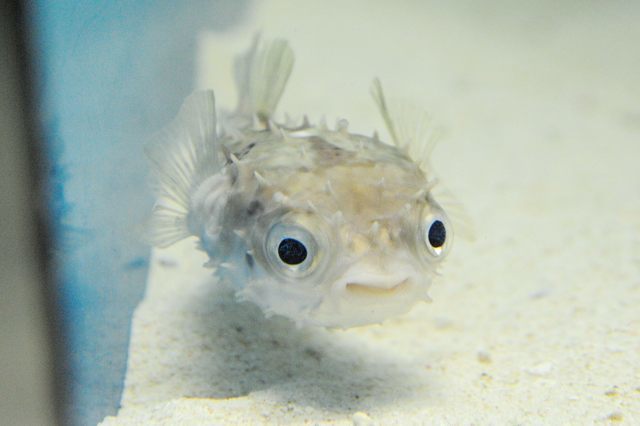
(292, 252)
(437, 234)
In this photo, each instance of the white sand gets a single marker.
(537, 321)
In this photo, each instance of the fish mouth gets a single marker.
(376, 290)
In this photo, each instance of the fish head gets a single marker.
(353, 245)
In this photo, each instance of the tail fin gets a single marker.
(182, 155)
(261, 76)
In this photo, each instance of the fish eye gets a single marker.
(435, 235)
(291, 249)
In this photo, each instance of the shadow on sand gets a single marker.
(238, 352)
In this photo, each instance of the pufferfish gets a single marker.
(319, 225)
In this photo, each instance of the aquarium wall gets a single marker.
(26, 371)
(107, 75)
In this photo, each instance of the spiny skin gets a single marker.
(364, 202)
(321, 226)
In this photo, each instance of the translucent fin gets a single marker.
(411, 129)
(261, 76)
(460, 218)
(182, 155)
(381, 102)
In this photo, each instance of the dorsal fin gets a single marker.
(261, 76)
(182, 155)
(411, 128)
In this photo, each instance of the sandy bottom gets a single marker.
(536, 321)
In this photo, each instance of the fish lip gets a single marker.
(374, 290)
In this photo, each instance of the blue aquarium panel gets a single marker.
(109, 74)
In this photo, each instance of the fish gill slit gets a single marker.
(249, 259)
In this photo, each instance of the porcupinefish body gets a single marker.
(319, 225)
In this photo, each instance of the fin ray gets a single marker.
(181, 156)
(411, 128)
(261, 76)
(463, 224)
(412, 131)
